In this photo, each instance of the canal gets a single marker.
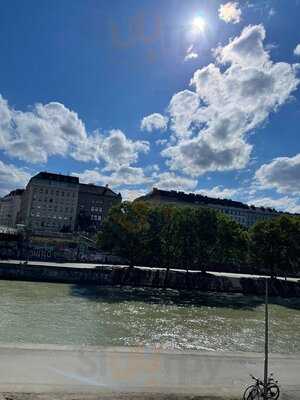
(70, 314)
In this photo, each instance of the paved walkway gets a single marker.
(67, 369)
(93, 266)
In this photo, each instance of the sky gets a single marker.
(192, 95)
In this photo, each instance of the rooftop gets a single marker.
(195, 198)
(93, 189)
(56, 177)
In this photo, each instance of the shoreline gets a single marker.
(119, 275)
(141, 350)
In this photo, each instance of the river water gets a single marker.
(71, 314)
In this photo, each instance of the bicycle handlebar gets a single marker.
(270, 379)
(256, 379)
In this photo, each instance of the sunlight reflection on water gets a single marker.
(68, 314)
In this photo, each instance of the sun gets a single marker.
(198, 24)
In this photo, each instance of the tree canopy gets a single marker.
(275, 244)
(197, 238)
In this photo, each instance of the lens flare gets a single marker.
(198, 24)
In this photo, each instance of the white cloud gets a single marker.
(131, 176)
(154, 122)
(191, 56)
(12, 177)
(34, 135)
(171, 181)
(285, 203)
(230, 12)
(211, 125)
(131, 194)
(115, 149)
(182, 109)
(52, 129)
(118, 150)
(124, 176)
(282, 174)
(297, 50)
(197, 156)
(219, 192)
(246, 49)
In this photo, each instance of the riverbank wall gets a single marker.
(112, 275)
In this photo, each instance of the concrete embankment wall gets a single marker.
(146, 277)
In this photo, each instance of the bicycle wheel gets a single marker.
(251, 393)
(273, 391)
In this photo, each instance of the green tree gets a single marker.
(275, 244)
(232, 242)
(124, 231)
(183, 237)
(205, 233)
(168, 237)
(153, 238)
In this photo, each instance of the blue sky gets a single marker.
(190, 95)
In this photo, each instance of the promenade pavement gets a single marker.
(103, 370)
(95, 265)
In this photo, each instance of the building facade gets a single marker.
(57, 203)
(240, 212)
(49, 203)
(94, 203)
(10, 206)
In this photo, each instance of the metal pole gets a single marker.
(266, 342)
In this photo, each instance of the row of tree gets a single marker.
(198, 238)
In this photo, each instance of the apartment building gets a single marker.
(94, 203)
(57, 203)
(240, 212)
(49, 203)
(10, 206)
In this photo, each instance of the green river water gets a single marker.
(71, 314)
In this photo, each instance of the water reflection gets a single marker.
(179, 298)
(88, 315)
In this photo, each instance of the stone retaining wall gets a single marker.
(146, 277)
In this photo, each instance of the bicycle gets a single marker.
(256, 391)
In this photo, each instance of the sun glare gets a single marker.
(198, 24)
